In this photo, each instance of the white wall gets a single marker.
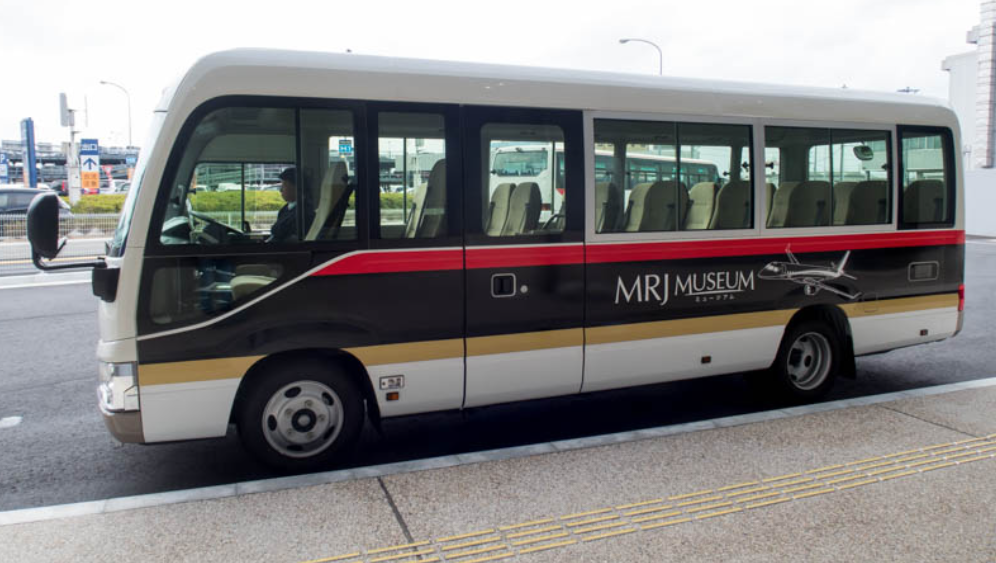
(980, 202)
(963, 75)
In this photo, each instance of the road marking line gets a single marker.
(858, 484)
(656, 517)
(400, 555)
(548, 546)
(472, 551)
(488, 558)
(720, 513)
(708, 507)
(699, 501)
(740, 486)
(663, 524)
(864, 461)
(540, 539)
(827, 468)
(609, 534)
(337, 558)
(803, 488)
(690, 495)
(759, 497)
(647, 510)
(980, 458)
(813, 493)
(525, 525)
(10, 421)
(636, 504)
(396, 547)
(781, 477)
(602, 527)
(589, 513)
(796, 482)
(465, 536)
(941, 466)
(747, 492)
(531, 532)
(483, 541)
(897, 475)
(591, 521)
(768, 503)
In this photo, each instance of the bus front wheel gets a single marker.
(301, 415)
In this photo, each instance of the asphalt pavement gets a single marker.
(58, 450)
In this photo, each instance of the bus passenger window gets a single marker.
(412, 175)
(523, 191)
(861, 186)
(328, 184)
(927, 168)
(802, 196)
(226, 187)
(715, 164)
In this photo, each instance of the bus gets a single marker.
(812, 242)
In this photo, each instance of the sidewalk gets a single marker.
(899, 478)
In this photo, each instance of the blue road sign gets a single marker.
(4, 175)
(30, 162)
(345, 147)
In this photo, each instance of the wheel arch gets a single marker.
(348, 362)
(836, 318)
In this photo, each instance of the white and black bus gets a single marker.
(303, 298)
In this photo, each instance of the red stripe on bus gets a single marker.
(676, 250)
(524, 256)
(393, 261)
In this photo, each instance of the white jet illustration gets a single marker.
(813, 278)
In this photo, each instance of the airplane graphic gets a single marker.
(813, 278)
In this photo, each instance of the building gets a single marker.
(972, 90)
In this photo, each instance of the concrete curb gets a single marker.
(27, 515)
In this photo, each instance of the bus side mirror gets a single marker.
(43, 234)
(43, 226)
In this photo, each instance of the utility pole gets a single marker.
(67, 118)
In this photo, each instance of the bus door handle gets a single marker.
(503, 285)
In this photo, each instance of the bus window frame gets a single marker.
(836, 229)
(155, 247)
(571, 122)
(950, 176)
(455, 183)
(754, 125)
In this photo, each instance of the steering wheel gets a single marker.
(215, 232)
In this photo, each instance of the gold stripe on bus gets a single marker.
(901, 305)
(195, 371)
(525, 342)
(685, 327)
(383, 354)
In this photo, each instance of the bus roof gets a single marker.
(361, 77)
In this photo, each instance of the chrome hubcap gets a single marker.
(809, 361)
(302, 419)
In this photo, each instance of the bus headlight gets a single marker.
(118, 389)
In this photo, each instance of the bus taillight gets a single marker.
(961, 298)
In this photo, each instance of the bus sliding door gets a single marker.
(524, 254)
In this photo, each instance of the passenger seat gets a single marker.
(702, 200)
(802, 204)
(498, 211)
(868, 204)
(523, 210)
(659, 206)
(607, 207)
(332, 190)
(428, 217)
(732, 206)
(841, 201)
(924, 202)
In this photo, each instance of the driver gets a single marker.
(285, 229)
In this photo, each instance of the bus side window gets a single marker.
(524, 192)
(720, 193)
(328, 183)
(412, 157)
(927, 171)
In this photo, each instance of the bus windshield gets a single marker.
(520, 162)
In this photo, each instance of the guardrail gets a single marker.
(86, 234)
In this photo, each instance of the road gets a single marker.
(59, 451)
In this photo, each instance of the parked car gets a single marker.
(15, 201)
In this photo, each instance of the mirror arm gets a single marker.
(37, 259)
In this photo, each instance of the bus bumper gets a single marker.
(124, 426)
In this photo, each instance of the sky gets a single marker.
(53, 46)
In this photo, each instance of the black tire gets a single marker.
(301, 415)
(808, 361)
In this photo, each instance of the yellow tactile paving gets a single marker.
(544, 534)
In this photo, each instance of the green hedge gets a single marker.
(102, 203)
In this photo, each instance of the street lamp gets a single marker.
(128, 96)
(660, 54)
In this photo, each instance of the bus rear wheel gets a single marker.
(301, 415)
(808, 361)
